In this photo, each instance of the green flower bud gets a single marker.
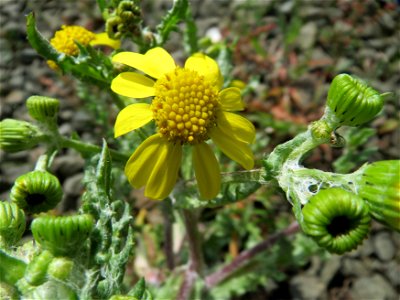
(52, 290)
(16, 135)
(321, 130)
(12, 223)
(36, 271)
(42, 108)
(112, 25)
(128, 11)
(122, 297)
(60, 268)
(337, 220)
(352, 101)
(62, 236)
(36, 191)
(379, 186)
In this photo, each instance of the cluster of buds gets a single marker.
(125, 20)
(337, 216)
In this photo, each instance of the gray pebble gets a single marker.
(384, 247)
(307, 287)
(374, 287)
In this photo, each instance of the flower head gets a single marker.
(65, 38)
(352, 101)
(379, 186)
(12, 223)
(189, 108)
(36, 191)
(337, 220)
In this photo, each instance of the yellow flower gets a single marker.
(64, 41)
(189, 108)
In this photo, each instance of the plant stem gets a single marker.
(168, 236)
(186, 288)
(194, 240)
(85, 149)
(196, 262)
(244, 257)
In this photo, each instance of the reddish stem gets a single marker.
(215, 278)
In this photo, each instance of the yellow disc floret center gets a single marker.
(184, 106)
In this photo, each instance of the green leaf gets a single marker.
(138, 290)
(112, 238)
(230, 193)
(169, 23)
(37, 41)
(11, 269)
(190, 35)
(103, 172)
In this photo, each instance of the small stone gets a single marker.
(307, 287)
(27, 56)
(393, 272)
(374, 287)
(308, 34)
(384, 247)
(353, 267)
(68, 165)
(73, 185)
(15, 97)
(330, 268)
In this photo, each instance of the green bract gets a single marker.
(16, 135)
(352, 101)
(36, 191)
(52, 290)
(62, 236)
(379, 186)
(338, 220)
(12, 223)
(60, 268)
(321, 130)
(36, 271)
(42, 108)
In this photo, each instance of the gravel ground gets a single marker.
(372, 272)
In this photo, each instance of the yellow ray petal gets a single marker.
(207, 67)
(206, 169)
(165, 172)
(233, 124)
(155, 62)
(132, 117)
(233, 148)
(103, 39)
(133, 85)
(141, 163)
(231, 99)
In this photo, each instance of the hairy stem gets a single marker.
(85, 149)
(168, 236)
(196, 262)
(244, 257)
(194, 241)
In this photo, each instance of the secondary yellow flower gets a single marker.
(189, 108)
(64, 40)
